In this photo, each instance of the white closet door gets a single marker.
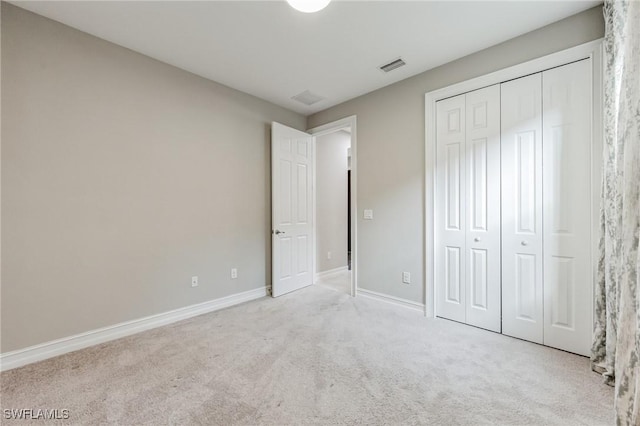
(522, 292)
(450, 205)
(566, 187)
(483, 208)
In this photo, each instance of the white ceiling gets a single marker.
(269, 50)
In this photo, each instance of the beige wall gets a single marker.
(391, 151)
(331, 200)
(121, 178)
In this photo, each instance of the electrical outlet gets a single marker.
(234, 273)
(406, 277)
(194, 281)
(328, 255)
(368, 214)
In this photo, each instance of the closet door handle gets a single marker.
(476, 239)
(524, 243)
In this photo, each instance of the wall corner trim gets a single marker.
(40, 352)
(330, 272)
(414, 306)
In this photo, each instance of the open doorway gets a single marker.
(333, 252)
(335, 260)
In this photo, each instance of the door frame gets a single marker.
(592, 50)
(334, 126)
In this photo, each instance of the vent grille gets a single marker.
(307, 98)
(393, 65)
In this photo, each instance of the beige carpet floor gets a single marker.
(315, 356)
(339, 281)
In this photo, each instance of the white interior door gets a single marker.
(483, 208)
(450, 209)
(567, 202)
(292, 209)
(522, 237)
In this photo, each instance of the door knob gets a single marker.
(476, 239)
(524, 243)
(278, 232)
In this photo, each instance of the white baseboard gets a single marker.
(65, 345)
(324, 274)
(419, 307)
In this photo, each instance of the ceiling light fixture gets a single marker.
(308, 6)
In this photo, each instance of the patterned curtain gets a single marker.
(616, 346)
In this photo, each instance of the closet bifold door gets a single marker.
(522, 236)
(483, 208)
(450, 215)
(468, 208)
(566, 112)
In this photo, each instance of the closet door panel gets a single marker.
(450, 209)
(522, 237)
(567, 203)
(483, 208)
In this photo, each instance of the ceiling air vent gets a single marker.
(393, 65)
(307, 98)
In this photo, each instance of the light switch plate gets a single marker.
(368, 214)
